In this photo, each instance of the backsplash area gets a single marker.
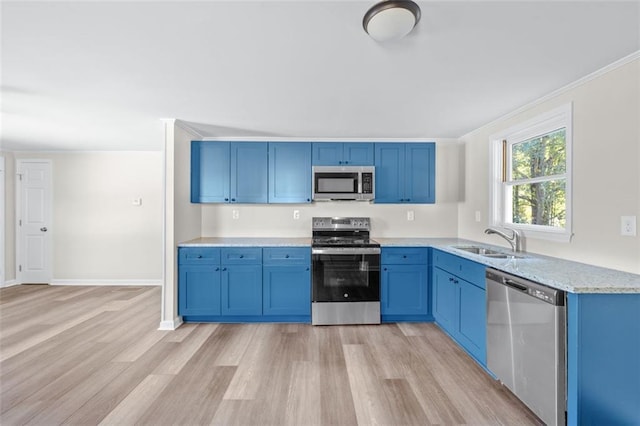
(430, 220)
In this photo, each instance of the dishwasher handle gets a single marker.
(513, 284)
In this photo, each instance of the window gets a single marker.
(531, 176)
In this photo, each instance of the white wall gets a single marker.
(431, 220)
(98, 235)
(606, 170)
(182, 220)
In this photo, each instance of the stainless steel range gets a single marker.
(346, 272)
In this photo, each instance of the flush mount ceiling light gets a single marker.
(391, 19)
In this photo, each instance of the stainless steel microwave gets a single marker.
(343, 183)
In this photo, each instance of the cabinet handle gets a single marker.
(308, 199)
(307, 268)
(408, 199)
(287, 256)
(217, 269)
(199, 256)
(233, 199)
(450, 279)
(385, 269)
(241, 256)
(404, 256)
(224, 269)
(226, 199)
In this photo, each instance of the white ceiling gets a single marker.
(99, 75)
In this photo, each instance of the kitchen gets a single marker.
(605, 109)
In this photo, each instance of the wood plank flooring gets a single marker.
(93, 355)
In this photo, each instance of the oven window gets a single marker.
(346, 278)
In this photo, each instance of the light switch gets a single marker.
(410, 215)
(137, 202)
(296, 214)
(235, 214)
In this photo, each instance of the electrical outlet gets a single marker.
(628, 226)
(296, 214)
(410, 215)
(136, 202)
(235, 214)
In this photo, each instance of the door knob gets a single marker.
(43, 229)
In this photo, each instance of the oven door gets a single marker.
(342, 274)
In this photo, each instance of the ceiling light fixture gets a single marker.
(391, 19)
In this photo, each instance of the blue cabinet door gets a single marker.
(327, 153)
(248, 172)
(357, 154)
(472, 327)
(343, 154)
(405, 173)
(404, 290)
(210, 172)
(420, 173)
(241, 290)
(199, 290)
(286, 290)
(389, 162)
(444, 300)
(289, 172)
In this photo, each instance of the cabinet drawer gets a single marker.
(463, 268)
(286, 256)
(404, 256)
(241, 255)
(198, 256)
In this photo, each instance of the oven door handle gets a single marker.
(345, 250)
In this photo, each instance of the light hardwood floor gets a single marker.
(93, 355)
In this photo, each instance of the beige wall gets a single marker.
(99, 236)
(606, 171)
(431, 220)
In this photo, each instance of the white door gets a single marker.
(2, 221)
(34, 221)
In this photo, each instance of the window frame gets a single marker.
(561, 117)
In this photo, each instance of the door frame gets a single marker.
(19, 228)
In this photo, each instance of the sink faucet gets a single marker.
(513, 240)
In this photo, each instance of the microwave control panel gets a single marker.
(367, 183)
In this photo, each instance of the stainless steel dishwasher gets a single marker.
(526, 342)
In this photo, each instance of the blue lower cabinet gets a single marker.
(241, 290)
(244, 284)
(459, 302)
(444, 300)
(199, 290)
(472, 326)
(404, 290)
(286, 290)
(404, 284)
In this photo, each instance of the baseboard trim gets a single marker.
(9, 283)
(99, 282)
(171, 324)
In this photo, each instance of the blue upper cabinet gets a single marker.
(289, 172)
(405, 172)
(342, 154)
(228, 172)
(249, 172)
(210, 172)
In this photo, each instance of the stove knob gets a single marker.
(346, 295)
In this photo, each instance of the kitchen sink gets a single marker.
(487, 252)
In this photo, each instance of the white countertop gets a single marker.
(562, 274)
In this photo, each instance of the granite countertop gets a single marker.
(562, 274)
(567, 275)
(246, 242)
